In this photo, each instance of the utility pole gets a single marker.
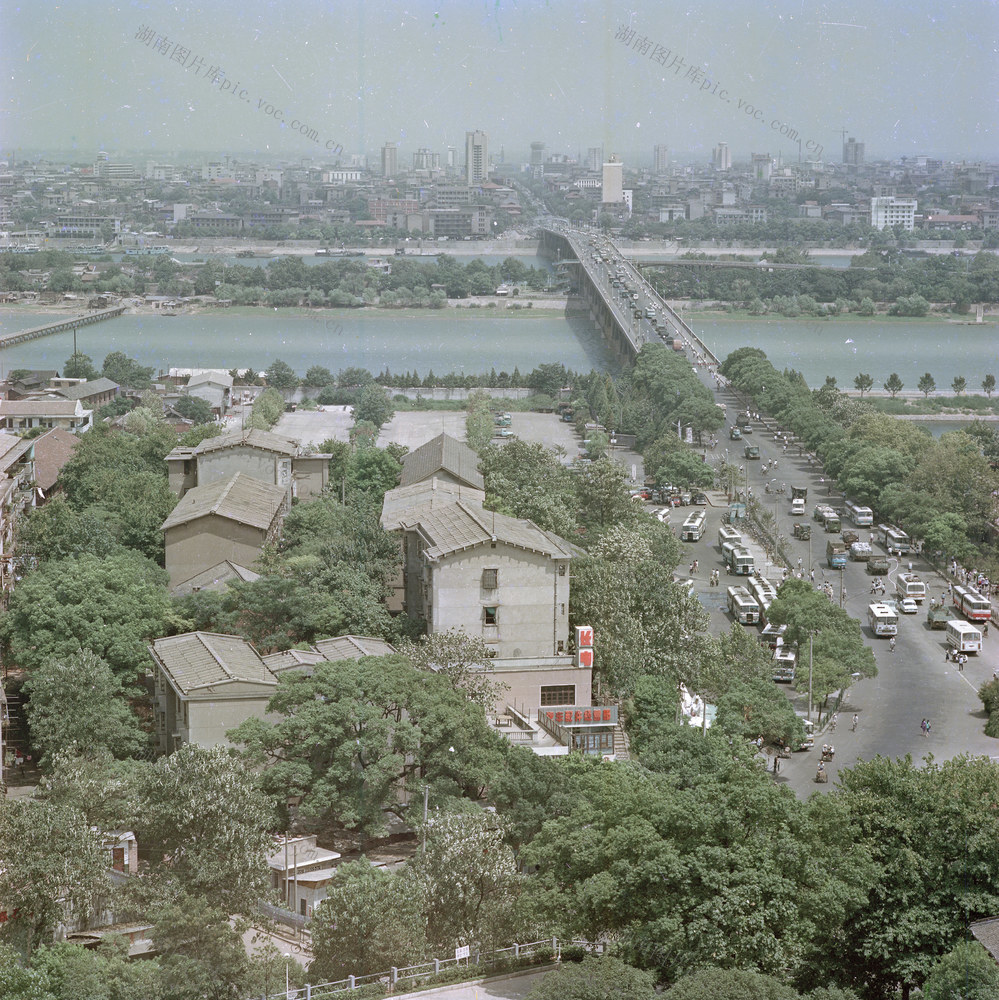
(810, 636)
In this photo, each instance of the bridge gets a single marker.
(613, 310)
(69, 324)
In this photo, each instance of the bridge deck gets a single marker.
(68, 324)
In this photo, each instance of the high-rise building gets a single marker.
(476, 157)
(886, 213)
(763, 166)
(424, 159)
(390, 160)
(452, 157)
(612, 190)
(853, 152)
(660, 159)
(537, 154)
(721, 157)
(594, 158)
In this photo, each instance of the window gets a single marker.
(490, 579)
(558, 694)
(561, 569)
(490, 616)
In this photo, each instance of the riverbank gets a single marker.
(690, 309)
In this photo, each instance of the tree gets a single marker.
(207, 825)
(373, 405)
(863, 383)
(959, 384)
(894, 385)
(926, 385)
(104, 973)
(731, 984)
(603, 495)
(462, 658)
(19, 983)
(479, 422)
(595, 979)
(318, 376)
(468, 880)
(126, 371)
(758, 708)
(111, 607)
(370, 916)
(77, 705)
(79, 366)
(989, 385)
(195, 409)
(53, 866)
(967, 972)
(280, 375)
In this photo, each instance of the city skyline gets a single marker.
(573, 77)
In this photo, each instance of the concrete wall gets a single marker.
(310, 476)
(266, 466)
(532, 599)
(524, 683)
(200, 544)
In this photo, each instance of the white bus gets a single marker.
(726, 533)
(894, 538)
(764, 592)
(693, 527)
(883, 620)
(910, 585)
(964, 637)
(738, 559)
(743, 606)
(972, 605)
(862, 517)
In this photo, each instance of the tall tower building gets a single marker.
(853, 152)
(721, 157)
(537, 154)
(594, 158)
(612, 190)
(763, 166)
(660, 159)
(476, 157)
(390, 160)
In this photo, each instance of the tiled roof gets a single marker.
(239, 498)
(14, 448)
(217, 577)
(353, 647)
(301, 852)
(251, 438)
(215, 378)
(442, 453)
(198, 660)
(53, 450)
(986, 933)
(84, 389)
(400, 502)
(294, 659)
(461, 525)
(41, 408)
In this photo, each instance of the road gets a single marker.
(513, 987)
(913, 683)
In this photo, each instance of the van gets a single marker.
(963, 637)
(797, 507)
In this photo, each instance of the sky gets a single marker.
(304, 77)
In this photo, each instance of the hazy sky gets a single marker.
(905, 78)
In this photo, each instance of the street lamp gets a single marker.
(287, 986)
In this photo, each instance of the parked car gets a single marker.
(908, 606)
(699, 499)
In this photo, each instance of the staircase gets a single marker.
(622, 745)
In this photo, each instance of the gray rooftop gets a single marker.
(443, 453)
(250, 438)
(210, 378)
(353, 647)
(239, 498)
(84, 389)
(42, 408)
(216, 577)
(400, 502)
(462, 525)
(198, 661)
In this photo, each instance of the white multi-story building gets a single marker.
(886, 213)
(612, 192)
(476, 157)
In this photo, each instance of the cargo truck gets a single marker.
(836, 554)
(877, 565)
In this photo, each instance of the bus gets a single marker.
(883, 620)
(738, 559)
(910, 585)
(743, 606)
(894, 538)
(693, 527)
(764, 592)
(964, 637)
(726, 533)
(862, 517)
(972, 605)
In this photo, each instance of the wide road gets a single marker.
(913, 683)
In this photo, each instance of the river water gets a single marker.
(474, 341)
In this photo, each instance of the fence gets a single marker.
(413, 976)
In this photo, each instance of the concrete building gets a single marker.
(445, 459)
(537, 154)
(204, 685)
(93, 394)
(23, 414)
(853, 152)
(612, 189)
(762, 166)
(721, 157)
(266, 457)
(214, 387)
(886, 213)
(390, 160)
(476, 158)
(660, 159)
(228, 519)
(301, 872)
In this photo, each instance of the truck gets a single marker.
(735, 434)
(836, 554)
(799, 493)
(802, 530)
(860, 551)
(850, 536)
(752, 451)
(877, 565)
(798, 498)
(939, 615)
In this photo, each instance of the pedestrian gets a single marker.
(985, 630)
(891, 645)
(961, 661)
(812, 576)
(922, 727)
(910, 565)
(927, 733)
(946, 654)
